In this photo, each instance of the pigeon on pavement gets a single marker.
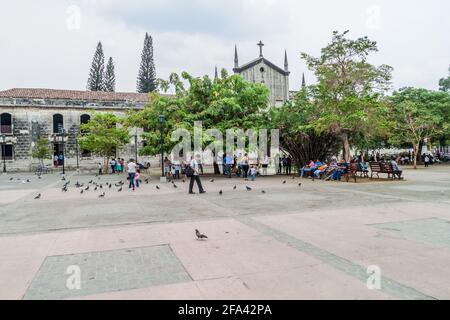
(199, 235)
(37, 197)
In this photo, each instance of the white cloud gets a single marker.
(39, 50)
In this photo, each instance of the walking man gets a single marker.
(195, 177)
(131, 168)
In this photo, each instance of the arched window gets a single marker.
(85, 118)
(58, 123)
(6, 123)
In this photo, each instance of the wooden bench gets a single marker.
(351, 172)
(383, 167)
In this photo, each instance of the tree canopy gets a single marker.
(348, 90)
(102, 135)
(416, 114)
(223, 103)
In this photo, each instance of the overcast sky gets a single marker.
(43, 44)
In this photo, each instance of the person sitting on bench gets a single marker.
(395, 169)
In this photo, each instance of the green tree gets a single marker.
(416, 114)
(444, 83)
(96, 75)
(146, 81)
(42, 150)
(224, 103)
(102, 135)
(110, 77)
(348, 91)
(297, 136)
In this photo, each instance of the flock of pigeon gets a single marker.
(95, 186)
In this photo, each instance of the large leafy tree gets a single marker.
(146, 81)
(297, 136)
(96, 74)
(103, 135)
(348, 91)
(444, 83)
(110, 77)
(223, 103)
(416, 114)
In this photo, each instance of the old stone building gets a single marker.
(29, 114)
(26, 115)
(261, 70)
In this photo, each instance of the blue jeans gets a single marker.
(131, 175)
(253, 177)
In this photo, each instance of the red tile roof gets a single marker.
(29, 93)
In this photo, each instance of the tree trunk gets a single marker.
(416, 147)
(106, 164)
(345, 146)
(419, 153)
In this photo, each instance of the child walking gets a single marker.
(137, 178)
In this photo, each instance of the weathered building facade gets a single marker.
(30, 114)
(263, 71)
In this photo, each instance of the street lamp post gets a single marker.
(161, 142)
(4, 152)
(136, 145)
(63, 132)
(78, 153)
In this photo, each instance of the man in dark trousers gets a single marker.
(289, 165)
(195, 177)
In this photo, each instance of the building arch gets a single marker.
(58, 123)
(6, 123)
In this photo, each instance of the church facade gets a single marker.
(261, 70)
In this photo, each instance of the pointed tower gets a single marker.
(216, 73)
(236, 59)
(286, 64)
(303, 80)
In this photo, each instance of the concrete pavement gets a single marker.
(310, 242)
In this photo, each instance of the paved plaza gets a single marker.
(314, 241)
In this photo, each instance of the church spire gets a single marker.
(286, 65)
(216, 73)
(303, 80)
(236, 59)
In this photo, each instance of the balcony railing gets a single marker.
(6, 129)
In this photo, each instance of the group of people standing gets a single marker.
(58, 160)
(117, 166)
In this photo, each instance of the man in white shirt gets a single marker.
(131, 169)
(113, 165)
(195, 177)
